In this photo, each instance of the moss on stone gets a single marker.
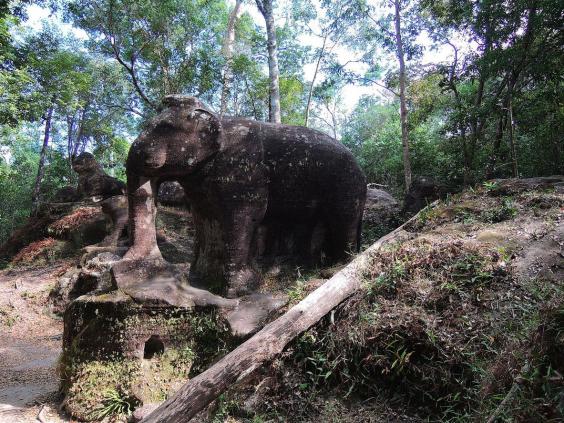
(139, 353)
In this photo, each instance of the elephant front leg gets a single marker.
(239, 232)
(142, 214)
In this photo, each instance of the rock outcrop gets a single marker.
(423, 191)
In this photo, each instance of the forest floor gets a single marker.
(30, 345)
(464, 309)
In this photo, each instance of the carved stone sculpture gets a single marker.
(257, 190)
(97, 185)
(68, 194)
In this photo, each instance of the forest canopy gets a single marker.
(462, 91)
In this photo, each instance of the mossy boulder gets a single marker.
(119, 354)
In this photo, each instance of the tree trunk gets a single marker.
(514, 168)
(319, 58)
(41, 167)
(467, 163)
(228, 54)
(266, 9)
(70, 139)
(492, 164)
(403, 105)
(197, 393)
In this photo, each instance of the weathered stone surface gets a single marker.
(257, 191)
(89, 232)
(139, 352)
(515, 186)
(81, 232)
(67, 194)
(160, 283)
(117, 211)
(93, 181)
(380, 208)
(423, 190)
(141, 341)
(252, 313)
(34, 229)
(95, 189)
(95, 184)
(382, 214)
(91, 278)
(171, 193)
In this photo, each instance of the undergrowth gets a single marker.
(441, 331)
(74, 220)
(31, 252)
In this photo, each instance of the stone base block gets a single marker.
(119, 354)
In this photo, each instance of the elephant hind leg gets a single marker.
(342, 237)
(240, 226)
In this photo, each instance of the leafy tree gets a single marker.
(16, 102)
(165, 47)
(58, 75)
(518, 51)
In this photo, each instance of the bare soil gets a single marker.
(30, 344)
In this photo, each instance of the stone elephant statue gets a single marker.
(257, 190)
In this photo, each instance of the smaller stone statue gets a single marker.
(98, 186)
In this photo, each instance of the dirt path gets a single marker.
(30, 344)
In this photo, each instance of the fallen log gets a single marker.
(200, 391)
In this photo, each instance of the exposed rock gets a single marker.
(77, 224)
(382, 214)
(67, 194)
(39, 253)
(84, 225)
(498, 237)
(93, 277)
(140, 342)
(160, 283)
(96, 184)
(515, 186)
(423, 190)
(117, 211)
(137, 352)
(381, 207)
(93, 181)
(142, 412)
(34, 229)
(171, 193)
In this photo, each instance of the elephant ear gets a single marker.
(208, 125)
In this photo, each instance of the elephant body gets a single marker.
(259, 192)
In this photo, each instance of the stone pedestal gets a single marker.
(135, 331)
(119, 354)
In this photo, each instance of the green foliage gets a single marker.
(115, 403)
(374, 135)
(505, 211)
(16, 180)
(172, 46)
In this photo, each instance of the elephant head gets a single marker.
(85, 163)
(176, 141)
